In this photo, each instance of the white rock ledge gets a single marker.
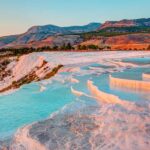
(146, 76)
(131, 84)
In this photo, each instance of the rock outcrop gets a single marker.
(27, 69)
(126, 23)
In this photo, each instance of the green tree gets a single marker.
(68, 46)
(63, 47)
(55, 47)
(94, 47)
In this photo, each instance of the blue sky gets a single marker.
(16, 16)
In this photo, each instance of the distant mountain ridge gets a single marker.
(38, 33)
(126, 23)
(52, 35)
(53, 29)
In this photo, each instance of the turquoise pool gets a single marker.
(28, 104)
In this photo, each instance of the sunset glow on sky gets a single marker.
(18, 15)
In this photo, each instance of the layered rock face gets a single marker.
(122, 23)
(126, 23)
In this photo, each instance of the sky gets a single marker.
(16, 16)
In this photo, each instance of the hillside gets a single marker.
(126, 23)
(124, 34)
(139, 41)
(40, 33)
(51, 41)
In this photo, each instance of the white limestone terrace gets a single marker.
(26, 65)
(128, 83)
(33, 62)
(146, 76)
(112, 123)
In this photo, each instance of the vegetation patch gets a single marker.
(3, 65)
(115, 31)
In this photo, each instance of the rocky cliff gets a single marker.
(126, 23)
